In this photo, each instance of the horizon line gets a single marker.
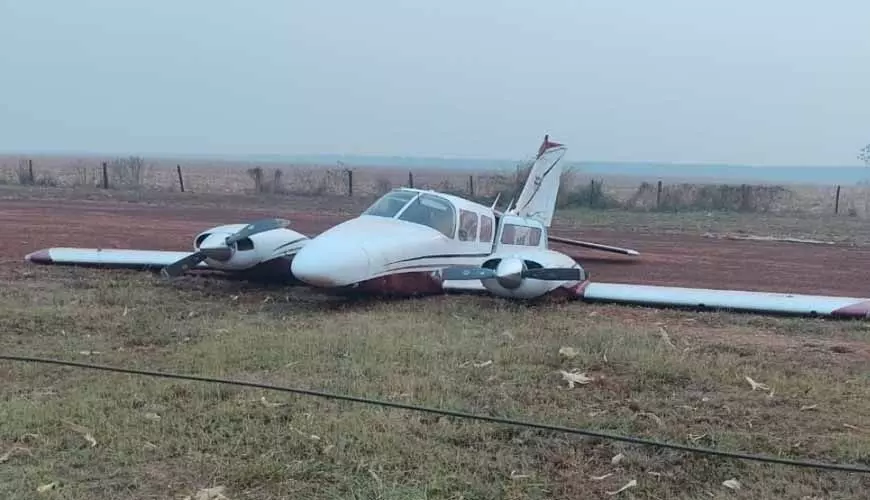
(332, 157)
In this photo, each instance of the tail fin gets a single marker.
(537, 200)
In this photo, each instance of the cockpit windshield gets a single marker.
(390, 204)
(432, 211)
(428, 210)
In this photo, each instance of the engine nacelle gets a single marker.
(247, 252)
(509, 268)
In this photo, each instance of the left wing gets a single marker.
(236, 247)
(108, 258)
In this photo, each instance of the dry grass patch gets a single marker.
(158, 438)
(839, 229)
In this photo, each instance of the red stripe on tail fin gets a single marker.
(547, 145)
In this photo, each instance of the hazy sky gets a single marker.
(762, 82)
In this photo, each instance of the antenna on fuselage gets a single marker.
(494, 203)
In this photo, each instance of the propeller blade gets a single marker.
(180, 266)
(594, 246)
(459, 273)
(255, 227)
(555, 274)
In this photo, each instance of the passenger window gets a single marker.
(467, 225)
(485, 229)
(508, 234)
(520, 235)
(534, 236)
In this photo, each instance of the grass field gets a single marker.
(668, 375)
(154, 438)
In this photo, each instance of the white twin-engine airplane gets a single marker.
(418, 242)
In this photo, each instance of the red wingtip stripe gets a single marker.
(856, 310)
(39, 257)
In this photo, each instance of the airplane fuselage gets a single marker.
(400, 244)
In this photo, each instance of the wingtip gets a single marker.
(39, 257)
(857, 310)
(633, 252)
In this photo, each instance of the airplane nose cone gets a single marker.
(330, 265)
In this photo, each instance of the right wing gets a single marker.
(738, 300)
(108, 258)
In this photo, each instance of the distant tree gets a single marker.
(864, 155)
(127, 172)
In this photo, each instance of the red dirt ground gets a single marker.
(686, 260)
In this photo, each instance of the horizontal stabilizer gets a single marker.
(738, 300)
(594, 246)
(108, 258)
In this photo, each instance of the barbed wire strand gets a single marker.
(449, 413)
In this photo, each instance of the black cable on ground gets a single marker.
(449, 413)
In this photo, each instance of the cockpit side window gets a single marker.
(432, 211)
(390, 204)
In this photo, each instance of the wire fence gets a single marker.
(578, 189)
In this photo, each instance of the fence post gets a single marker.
(471, 185)
(659, 195)
(180, 178)
(837, 201)
(105, 176)
(411, 179)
